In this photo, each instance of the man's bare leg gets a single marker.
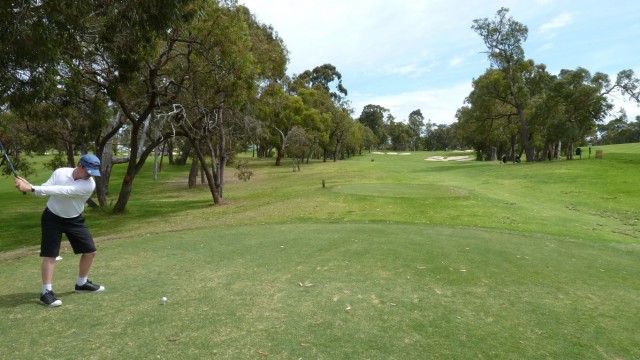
(85, 264)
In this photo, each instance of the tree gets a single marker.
(487, 121)
(78, 59)
(322, 76)
(400, 135)
(281, 112)
(444, 137)
(341, 123)
(332, 103)
(373, 117)
(579, 105)
(297, 144)
(503, 37)
(218, 72)
(416, 124)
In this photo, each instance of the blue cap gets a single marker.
(91, 163)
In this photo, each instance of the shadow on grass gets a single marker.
(24, 298)
(13, 300)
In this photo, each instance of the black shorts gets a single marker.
(53, 226)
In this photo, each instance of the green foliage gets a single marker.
(620, 131)
(57, 161)
(243, 172)
(322, 76)
(373, 117)
(503, 37)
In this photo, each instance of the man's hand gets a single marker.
(22, 184)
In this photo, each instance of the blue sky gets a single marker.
(422, 54)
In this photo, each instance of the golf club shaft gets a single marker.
(6, 157)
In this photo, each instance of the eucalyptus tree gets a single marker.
(297, 143)
(487, 121)
(132, 76)
(574, 106)
(35, 86)
(620, 130)
(224, 57)
(281, 112)
(324, 76)
(444, 137)
(503, 37)
(359, 138)
(426, 141)
(373, 117)
(72, 61)
(400, 135)
(326, 81)
(341, 124)
(416, 126)
(35, 35)
(582, 102)
(319, 114)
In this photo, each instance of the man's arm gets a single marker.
(80, 189)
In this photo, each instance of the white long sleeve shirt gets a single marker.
(66, 195)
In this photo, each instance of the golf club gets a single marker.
(13, 170)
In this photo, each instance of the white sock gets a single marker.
(81, 280)
(47, 287)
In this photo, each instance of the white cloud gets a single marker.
(557, 22)
(456, 61)
(411, 70)
(546, 47)
(439, 104)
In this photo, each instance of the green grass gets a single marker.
(396, 258)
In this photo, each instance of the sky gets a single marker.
(406, 55)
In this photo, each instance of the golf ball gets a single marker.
(164, 299)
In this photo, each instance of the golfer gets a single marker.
(68, 189)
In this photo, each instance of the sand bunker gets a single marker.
(449, 158)
(390, 153)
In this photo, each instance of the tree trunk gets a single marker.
(106, 164)
(524, 133)
(280, 154)
(133, 167)
(193, 172)
(210, 178)
(186, 152)
(125, 191)
(143, 135)
(68, 147)
(170, 151)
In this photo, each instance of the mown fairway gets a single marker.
(396, 258)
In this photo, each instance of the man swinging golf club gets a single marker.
(68, 189)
